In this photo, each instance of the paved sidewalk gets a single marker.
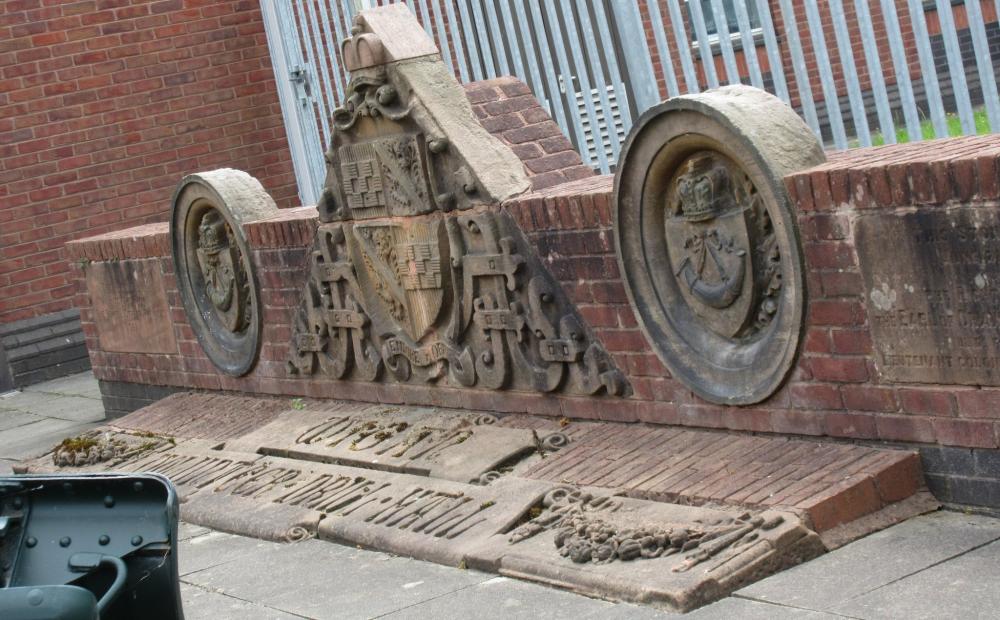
(942, 565)
(35, 418)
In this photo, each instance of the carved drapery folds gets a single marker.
(416, 274)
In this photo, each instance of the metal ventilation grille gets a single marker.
(603, 134)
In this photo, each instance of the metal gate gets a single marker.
(859, 72)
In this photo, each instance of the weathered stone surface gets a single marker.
(416, 275)
(424, 442)
(707, 241)
(932, 288)
(130, 307)
(217, 281)
(676, 557)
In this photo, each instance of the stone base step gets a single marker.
(829, 483)
(665, 516)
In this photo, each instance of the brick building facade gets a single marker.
(104, 106)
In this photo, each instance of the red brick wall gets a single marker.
(104, 106)
(833, 391)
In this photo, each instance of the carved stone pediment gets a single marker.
(416, 274)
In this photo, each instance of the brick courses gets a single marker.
(104, 105)
(834, 390)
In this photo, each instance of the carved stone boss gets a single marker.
(416, 274)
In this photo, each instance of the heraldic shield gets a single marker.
(709, 244)
(418, 274)
(403, 273)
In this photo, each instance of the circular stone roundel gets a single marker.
(215, 276)
(707, 240)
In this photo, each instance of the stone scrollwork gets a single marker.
(417, 275)
(707, 239)
(215, 275)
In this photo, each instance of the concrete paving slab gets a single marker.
(33, 440)
(201, 604)
(217, 549)
(76, 408)
(744, 609)
(187, 531)
(966, 587)
(13, 419)
(501, 598)
(875, 561)
(82, 384)
(323, 580)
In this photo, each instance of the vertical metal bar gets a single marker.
(984, 63)
(550, 73)
(683, 46)
(773, 51)
(570, 89)
(515, 49)
(749, 47)
(799, 66)
(635, 50)
(426, 15)
(314, 70)
(901, 68)
(874, 63)
(456, 40)
(843, 38)
(470, 43)
(704, 45)
(333, 48)
(442, 35)
(530, 58)
(725, 42)
(299, 121)
(932, 89)
(661, 47)
(322, 58)
(587, 30)
(483, 36)
(496, 38)
(604, 29)
(832, 101)
(576, 43)
(956, 68)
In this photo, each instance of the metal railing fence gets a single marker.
(860, 72)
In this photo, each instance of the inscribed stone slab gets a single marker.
(932, 288)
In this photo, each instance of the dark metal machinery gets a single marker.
(88, 546)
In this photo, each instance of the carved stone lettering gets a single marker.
(452, 446)
(932, 290)
(417, 275)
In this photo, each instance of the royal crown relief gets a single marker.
(722, 247)
(416, 274)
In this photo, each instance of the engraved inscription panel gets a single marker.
(932, 288)
(130, 307)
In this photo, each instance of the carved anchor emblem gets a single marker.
(708, 241)
(220, 266)
(713, 244)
